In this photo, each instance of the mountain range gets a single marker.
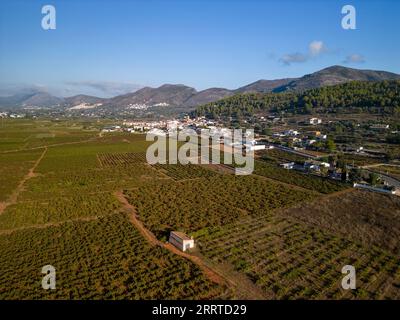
(186, 98)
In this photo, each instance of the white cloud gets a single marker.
(104, 88)
(9, 89)
(316, 48)
(354, 58)
(297, 57)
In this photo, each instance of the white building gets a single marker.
(288, 166)
(111, 129)
(157, 132)
(172, 124)
(315, 121)
(379, 126)
(312, 141)
(181, 240)
(291, 132)
(255, 147)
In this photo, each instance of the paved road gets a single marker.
(390, 180)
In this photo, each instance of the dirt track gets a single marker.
(150, 237)
(243, 286)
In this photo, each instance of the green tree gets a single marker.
(374, 178)
(330, 145)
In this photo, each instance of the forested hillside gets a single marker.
(353, 97)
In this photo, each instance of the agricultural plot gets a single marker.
(184, 172)
(70, 170)
(360, 160)
(280, 156)
(25, 134)
(120, 159)
(68, 183)
(14, 134)
(57, 209)
(195, 204)
(280, 236)
(318, 184)
(102, 259)
(290, 260)
(393, 171)
(13, 167)
(372, 219)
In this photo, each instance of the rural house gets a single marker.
(181, 240)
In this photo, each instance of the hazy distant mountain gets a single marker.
(37, 99)
(168, 94)
(42, 99)
(181, 97)
(14, 100)
(82, 98)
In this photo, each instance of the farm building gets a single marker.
(288, 166)
(255, 147)
(315, 121)
(181, 240)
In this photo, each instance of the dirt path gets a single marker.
(243, 287)
(14, 196)
(151, 238)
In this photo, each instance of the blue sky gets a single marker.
(109, 47)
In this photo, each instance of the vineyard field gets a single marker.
(289, 260)
(102, 259)
(192, 205)
(318, 184)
